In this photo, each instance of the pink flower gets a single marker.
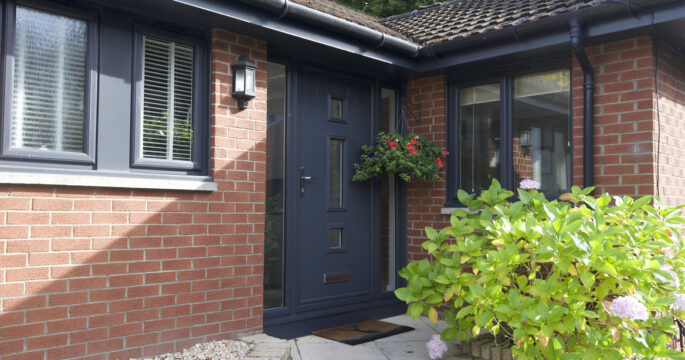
(669, 269)
(438, 162)
(528, 184)
(445, 153)
(436, 347)
(412, 149)
(628, 307)
(679, 302)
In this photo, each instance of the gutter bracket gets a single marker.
(381, 42)
(284, 10)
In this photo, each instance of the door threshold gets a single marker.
(296, 328)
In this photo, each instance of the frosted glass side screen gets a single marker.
(50, 72)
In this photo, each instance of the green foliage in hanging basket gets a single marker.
(411, 157)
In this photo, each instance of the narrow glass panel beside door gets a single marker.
(275, 186)
(388, 225)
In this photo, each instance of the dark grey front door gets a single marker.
(335, 215)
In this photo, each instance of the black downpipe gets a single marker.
(588, 101)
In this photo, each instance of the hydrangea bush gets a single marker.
(578, 278)
(410, 157)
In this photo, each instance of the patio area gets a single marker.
(409, 345)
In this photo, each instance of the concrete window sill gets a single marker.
(107, 181)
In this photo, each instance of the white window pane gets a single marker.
(48, 96)
(167, 100)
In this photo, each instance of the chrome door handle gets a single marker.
(303, 178)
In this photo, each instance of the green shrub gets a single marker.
(543, 275)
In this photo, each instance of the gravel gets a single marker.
(215, 350)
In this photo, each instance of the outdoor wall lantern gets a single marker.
(243, 81)
(524, 139)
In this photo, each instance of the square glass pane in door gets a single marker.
(335, 189)
(335, 238)
(336, 109)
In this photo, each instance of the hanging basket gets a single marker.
(410, 157)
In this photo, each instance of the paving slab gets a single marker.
(406, 346)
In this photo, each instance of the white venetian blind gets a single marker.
(167, 100)
(48, 96)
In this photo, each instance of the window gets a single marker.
(167, 116)
(511, 128)
(92, 94)
(50, 80)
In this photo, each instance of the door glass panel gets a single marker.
(336, 109)
(479, 136)
(388, 240)
(335, 238)
(275, 185)
(335, 197)
(541, 130)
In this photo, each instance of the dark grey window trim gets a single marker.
(90, 121)
(504, 74)
(200, 101)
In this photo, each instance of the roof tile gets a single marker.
(359, 17)
(465, 18)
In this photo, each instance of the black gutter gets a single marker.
(588, 100)
(282, 8)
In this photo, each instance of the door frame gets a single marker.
(285, 321)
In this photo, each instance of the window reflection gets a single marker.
(479, 136)
(541, 148)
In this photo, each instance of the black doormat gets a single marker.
(361, 332)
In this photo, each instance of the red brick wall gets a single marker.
(671, 107)
(427, 98)
(625, 135)
(118, 273)
(624, 130)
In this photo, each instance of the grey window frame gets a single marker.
(504, 74)
(200, 98)
(91, 93)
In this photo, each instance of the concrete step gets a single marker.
(267, 348)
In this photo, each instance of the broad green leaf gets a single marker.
(415, 310)
(587, 278)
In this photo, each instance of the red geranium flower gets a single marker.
(445, 153)
(438, 162)
(413, 141)
(392, 144)
(412, 149)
